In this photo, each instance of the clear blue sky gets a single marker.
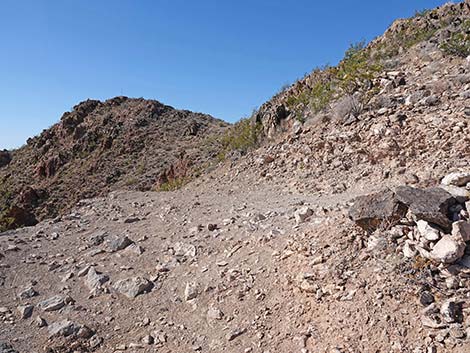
(219, 57)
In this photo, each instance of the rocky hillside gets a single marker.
(121, 143)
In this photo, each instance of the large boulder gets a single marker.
(431, 205)
(371, 211)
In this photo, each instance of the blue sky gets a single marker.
(219, 57)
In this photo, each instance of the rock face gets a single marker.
(132, 287)
(371, 211)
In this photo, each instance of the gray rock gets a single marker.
(191, 291)
(94, 280)
(431, 205)
(40, 322)
(6, 348)
(214, 313)
(27, 293)
(63, 328)
(448, 250)
(371, 211)
(132, 287)
(184, 250)
(25, 311)
(52, 304)
(119, 243)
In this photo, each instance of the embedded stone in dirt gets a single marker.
(302, 214)
(119, 243)
(132, 287)
(6, 348)
(63, 328)
(52, 304)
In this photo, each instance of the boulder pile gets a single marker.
(432, 223)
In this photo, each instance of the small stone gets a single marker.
(119, 243)
(302, 214)
(211, 227)
(426, 298)
(214, 313)
(235, 333)
(94, 280)
(40, 322)
(427, 231)
(63, 328)
(132, 287)
(148, 339)
(191, 291)
(25, 311)
(450, 311)
(27, 293)
(52, 304)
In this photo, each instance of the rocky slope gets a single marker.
(121, 143)
(282, 249)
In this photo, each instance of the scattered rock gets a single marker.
(27, 293)
(448, 250)
(94, 280)
(191, 291)
(132, 287)
(457, 179)
(302, 214)
(6, 348)
(119, 243)
(25, 311)
(63, 328)
(461, 229)
(52, 304)
(427, 231)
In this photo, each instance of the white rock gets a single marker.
(457, 179)
(449, 249)
(191, 291)
(427, 231)
(459, 193)
(302, 214)
(409, 249)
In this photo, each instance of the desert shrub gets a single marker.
(173, 184)
(346, 106)
(459, 42)
(356, 68)
(242, 136)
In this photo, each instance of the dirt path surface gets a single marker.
(221, 269)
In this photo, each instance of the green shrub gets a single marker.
(459, 42)
(242, 136)
(173, 184)
(356, 68)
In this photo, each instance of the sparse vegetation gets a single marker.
(459, 42)
(357, 68)
(242, 136)
(173, 184)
